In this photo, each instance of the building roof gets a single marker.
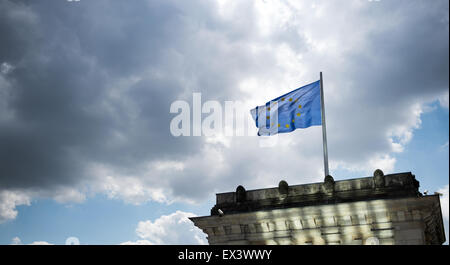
(378, 186)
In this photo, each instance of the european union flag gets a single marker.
(295, 110)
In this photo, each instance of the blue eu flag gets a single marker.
(295, 110)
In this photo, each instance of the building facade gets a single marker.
(381, 209)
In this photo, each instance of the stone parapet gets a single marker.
(382, 209)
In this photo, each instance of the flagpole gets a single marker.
(324, 128)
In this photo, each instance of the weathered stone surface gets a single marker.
(329, 192)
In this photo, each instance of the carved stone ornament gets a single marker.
(241, 194)
(378, 178)
(283, 187)
(329, 184)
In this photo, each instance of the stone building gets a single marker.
(382, 209)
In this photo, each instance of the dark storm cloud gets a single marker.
(65, 59)
(92, 82)
(65, 91)
(404, 62)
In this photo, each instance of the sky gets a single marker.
(86, 88)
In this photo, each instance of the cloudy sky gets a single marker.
(86, 88)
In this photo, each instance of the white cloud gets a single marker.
(69, 195)
(8, 202)
(40, 243)
(383, 162)
(137, 242)
(17, 241)
(10, 199)
(170, 229)
(444, 146)
(130, 188)
(6, 68)
(443, 100)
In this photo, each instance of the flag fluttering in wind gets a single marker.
(297, 109)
